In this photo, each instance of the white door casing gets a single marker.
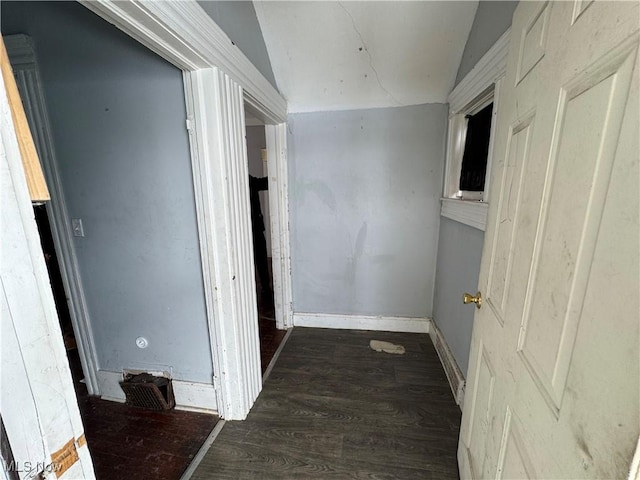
(221, 180)
(485, 76)
(276, 138)
(553, 383)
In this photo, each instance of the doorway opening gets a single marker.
(60, 297)
(113, 428)
(124, 441)
(216, 81)
(270, 336)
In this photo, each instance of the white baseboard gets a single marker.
(109, 385)
(361, 322)
(195, 397)
(190, 396)
(451, 369)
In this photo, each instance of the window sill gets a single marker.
(468, 212)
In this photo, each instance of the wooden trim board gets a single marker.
(362, 322)
(33, 170)
(454, 374)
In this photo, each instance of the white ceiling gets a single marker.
(348, 55)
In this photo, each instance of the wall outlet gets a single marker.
(78, 229)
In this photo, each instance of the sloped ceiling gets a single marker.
(349, 55)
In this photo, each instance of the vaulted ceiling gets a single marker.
(348, 55)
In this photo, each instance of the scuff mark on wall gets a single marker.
(360, 239)
(321, 191)
(362, 243)
(357, 251)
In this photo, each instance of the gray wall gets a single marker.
(460, 246)
(239, 21)
(491, 21)
(117, 112)
(459, 255)
(364, 196)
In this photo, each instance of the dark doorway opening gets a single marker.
(123, 440)
(476, 150)
(60, 297)
(270, 336)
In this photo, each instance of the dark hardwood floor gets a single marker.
(332, 407)
(138, 444)
(133, 443)
(270, 336)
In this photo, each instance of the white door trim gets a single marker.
(39, 405)
(183, 34)
(454, 375)
(486, 72)
(276, 137)
(25, 68)
(221, 180)
(363, 322)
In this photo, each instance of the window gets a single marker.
(476, 149)
(473, 106)
(469, 144)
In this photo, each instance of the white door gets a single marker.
(37, 400)
(553, 384)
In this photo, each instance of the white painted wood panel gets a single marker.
(26, 439)
(489, 69)
(554, 382)
(468, 212)
(505, 238)
(276, 137)
(451, 368)
(38, 405)
(361, 322)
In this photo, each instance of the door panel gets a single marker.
(589, 118)
(505, 239)
(554, 379)
(534, 39)
(513, 461)
(481, 399)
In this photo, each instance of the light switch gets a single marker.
(78, 229)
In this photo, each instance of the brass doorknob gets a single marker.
(468, 298)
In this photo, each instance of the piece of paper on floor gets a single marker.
(387, 347)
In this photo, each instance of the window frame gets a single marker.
(458, 123)
(480, 87)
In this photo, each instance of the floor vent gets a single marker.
(148, 391)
